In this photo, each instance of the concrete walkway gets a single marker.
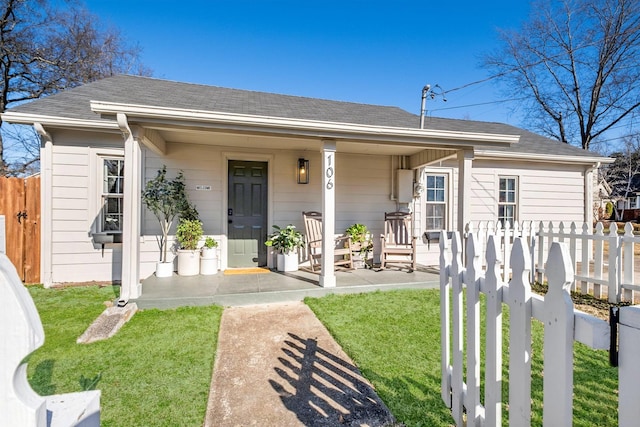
(277, 365)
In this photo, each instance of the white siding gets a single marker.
(74, 256)
(546, 191)
(362, 185)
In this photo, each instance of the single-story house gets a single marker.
(240, 151)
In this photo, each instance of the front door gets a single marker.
(247, 213)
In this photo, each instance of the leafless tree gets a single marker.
(578, 62)
(45, 49)
(623, 175)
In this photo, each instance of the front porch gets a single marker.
(270, 287)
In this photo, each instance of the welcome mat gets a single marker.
(252, 270)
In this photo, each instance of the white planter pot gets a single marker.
(209, 253)
(288, 262)
(188, 262)
(164, 269)
(208, 266)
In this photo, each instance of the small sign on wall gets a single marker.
(203, 187)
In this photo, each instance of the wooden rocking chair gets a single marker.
(313, 230)
(398, 240)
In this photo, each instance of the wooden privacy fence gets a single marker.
(562, 324)
(20, 205)
(597, 259)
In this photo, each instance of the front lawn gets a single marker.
(155, 371)
(394, 338)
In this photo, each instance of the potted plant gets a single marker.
(209, 257)
(285, 241)
(188, 234)
(166, 199)
(361, 244)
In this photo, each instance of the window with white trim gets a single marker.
(508, 200)
(112, 193)
(436, 201)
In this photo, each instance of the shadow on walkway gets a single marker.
(323, 389)
(277, 365)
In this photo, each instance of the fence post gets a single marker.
(558, 339)
(520, 336)
(598, 259)
(629, 370)
(470, 276)
(573, 252)
(445, 343)
(506, 250)
(458, 330)
(614, 253)
(626, 271)
(493, 364)
(540, 267)
(584, 265)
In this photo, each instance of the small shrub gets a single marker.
(608, 210)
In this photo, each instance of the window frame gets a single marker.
(103, 196)
(516, 199)
(446, 217)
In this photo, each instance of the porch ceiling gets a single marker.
(245, 140)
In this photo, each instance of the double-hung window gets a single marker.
(112, 192)
(436, 202)
(508, 200)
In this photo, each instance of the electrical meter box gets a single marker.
(404, 183)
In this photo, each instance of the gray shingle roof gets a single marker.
(74, 103)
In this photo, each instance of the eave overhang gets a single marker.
(299, 127)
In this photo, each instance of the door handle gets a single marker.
(20, 215)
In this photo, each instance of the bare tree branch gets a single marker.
(579, 62)
(48, 47)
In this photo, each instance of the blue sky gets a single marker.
(377, 52)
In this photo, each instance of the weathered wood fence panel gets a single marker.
(20, 204)
(563, 325)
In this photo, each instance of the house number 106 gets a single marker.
(329, 173)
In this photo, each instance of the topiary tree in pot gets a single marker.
(188, 235)
(166, 199)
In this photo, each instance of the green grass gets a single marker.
(394, 338)
(155, 371)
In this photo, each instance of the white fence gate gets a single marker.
(562, 325)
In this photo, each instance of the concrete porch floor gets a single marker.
(247, 289)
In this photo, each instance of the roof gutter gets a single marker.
(302, 127)
(489, 154)
(57, 121)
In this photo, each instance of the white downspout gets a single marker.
(46, 206)
(588, 193)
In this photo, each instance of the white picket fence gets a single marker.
(562, 323)
(586, 247)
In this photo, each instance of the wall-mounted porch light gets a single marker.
(303, 171)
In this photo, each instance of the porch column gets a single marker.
(327, 273)
(131, 287)
(465, 164)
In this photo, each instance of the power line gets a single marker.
(478, 104)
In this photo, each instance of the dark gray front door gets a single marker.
(247, 213)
